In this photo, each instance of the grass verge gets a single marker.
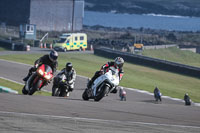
(135, 76)
(174, 54)
(18, 87)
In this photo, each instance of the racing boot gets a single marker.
(114, 91)
(89, 84)
(67, 95)
(32, 69)
(26, 78)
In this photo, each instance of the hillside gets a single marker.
(166, 7)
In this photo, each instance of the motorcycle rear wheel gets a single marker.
(57, 92)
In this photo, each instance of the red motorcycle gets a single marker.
(38, 79)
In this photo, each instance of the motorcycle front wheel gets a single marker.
(85, 95)
(35, 87)
(101, 92)
(24, 91)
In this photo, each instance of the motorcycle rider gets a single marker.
(156, 92)
(48, 59)
(187, 99)
(70, 77)
(122, 94)
(117, 63)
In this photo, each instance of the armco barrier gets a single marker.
(150, 62)
(12, 46)
(6, 44)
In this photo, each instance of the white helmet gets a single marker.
(119, 61)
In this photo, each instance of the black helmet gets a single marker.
(119, 61)
(68, 66)
(53, 56)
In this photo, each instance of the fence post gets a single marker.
(13, 46)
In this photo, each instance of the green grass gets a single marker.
(18, 87)
(135, 76)
(174, 54)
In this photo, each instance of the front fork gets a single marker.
(33, 80)
(28, 83)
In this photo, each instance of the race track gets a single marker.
(23, 113)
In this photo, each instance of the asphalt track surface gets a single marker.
(139, 114)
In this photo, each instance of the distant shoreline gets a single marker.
(173, 8)
(147, 21)
(148, 14)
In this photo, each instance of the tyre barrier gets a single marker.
(19, 47)
(16, 46)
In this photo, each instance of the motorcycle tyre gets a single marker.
(35, 87)
(101, 94)
(24, 91)
(85, 95)
(56, 92)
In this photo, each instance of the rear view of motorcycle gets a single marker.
(38, 79)
(158, 96)
(122, 94)
(102, 86)
(61, 89)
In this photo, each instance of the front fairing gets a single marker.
(45, 71)
(111, 77)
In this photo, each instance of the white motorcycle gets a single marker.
(103, 85)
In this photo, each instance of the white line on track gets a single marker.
(97, 120)
(132, 89)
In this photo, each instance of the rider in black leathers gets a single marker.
(50, 60)
(69, 74)
(187, 99)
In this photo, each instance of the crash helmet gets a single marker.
(119, 61)
(53, 56)
(68, 66)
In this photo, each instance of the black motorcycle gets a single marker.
(61, 89)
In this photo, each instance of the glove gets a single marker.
(70, 82)
(101, 72)
(33, 69)
(62, 83)
(36, 65)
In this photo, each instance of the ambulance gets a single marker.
(71, 41)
